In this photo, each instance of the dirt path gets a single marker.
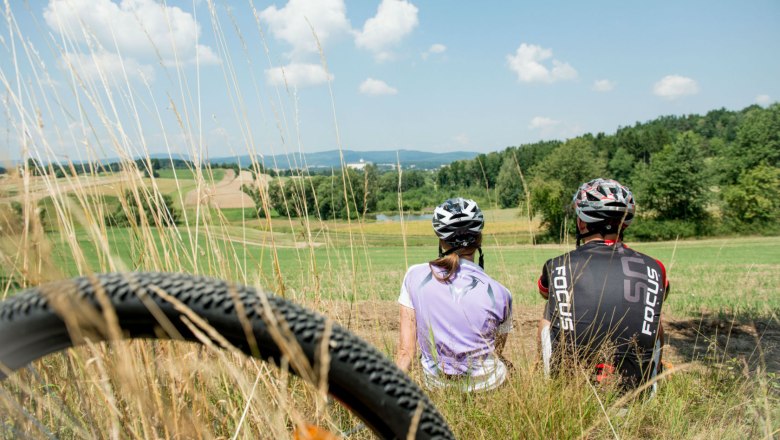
(224, 194)
(747, 343)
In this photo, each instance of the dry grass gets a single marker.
(147, 389)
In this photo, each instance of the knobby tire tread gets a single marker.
(360, 376)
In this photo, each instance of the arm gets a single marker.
(544, 283)
(407, 343)
(503, 330)
(665, 280)
(500, 344)
(544, 322)
(545, 345)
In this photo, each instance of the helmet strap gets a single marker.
(583, 235)
(451, 250)
(602, 229)
(443, 254)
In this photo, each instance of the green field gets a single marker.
(188, 174)
(729, 275)
(721, 318)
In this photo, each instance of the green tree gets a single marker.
(549, 198)
(154, 208)
(755, 197)
(674, 184)
(621, 165)
(758, 140)
(35, 167)
(509, 184)
(257, 197)
(558, 176)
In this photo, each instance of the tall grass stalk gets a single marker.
(53, 228)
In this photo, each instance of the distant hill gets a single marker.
(330, 159)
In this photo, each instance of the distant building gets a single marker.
(359, 165)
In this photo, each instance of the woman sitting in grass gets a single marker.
(458, 314)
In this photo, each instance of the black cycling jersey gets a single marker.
(605, 298)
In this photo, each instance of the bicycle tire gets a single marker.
(359, 376)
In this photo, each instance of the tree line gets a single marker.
(691, 175)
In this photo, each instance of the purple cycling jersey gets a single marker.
(457, 322)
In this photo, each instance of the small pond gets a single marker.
(407, 217)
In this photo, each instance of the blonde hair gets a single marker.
(451, 263)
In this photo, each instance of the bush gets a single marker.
(157, 211)
(657, 230)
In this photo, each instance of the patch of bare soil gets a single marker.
(756, 342)
(224, 194)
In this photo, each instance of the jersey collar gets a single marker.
(606, 242)
(465, 262)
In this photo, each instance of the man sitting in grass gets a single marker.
(603, 299)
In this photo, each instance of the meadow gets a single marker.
(721, 316)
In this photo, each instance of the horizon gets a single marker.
(185, 155)
(400, 75)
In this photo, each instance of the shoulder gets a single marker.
(562, 258)
(416, 269)
(497, 286)
(648, 258)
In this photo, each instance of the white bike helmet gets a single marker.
(458, 222)
(605, 205)
(604, 200)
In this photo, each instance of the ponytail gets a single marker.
(450, 263)
(449, 260)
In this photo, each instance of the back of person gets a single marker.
(604, 307)
(604, 300)
(450, 309)
(458, 321)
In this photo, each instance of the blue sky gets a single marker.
(433, 76)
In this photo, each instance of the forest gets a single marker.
(692, 175)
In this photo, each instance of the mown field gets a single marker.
(729, 275)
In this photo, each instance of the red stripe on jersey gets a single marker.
(542, 287)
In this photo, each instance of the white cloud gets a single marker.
(527, 64)
(675, 86)
(327, 17)
(541, 122)
(298, 75)
(603, 85)
(90, 67)
(462, 139)
(142, 30)
(437, 48)
(552, 128)
(394, 20)
(763, 100)
(434, 49)
(376, 87)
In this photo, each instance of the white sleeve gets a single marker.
(404, 298)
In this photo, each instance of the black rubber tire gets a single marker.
(361, 377)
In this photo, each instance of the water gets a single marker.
(407, 217)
